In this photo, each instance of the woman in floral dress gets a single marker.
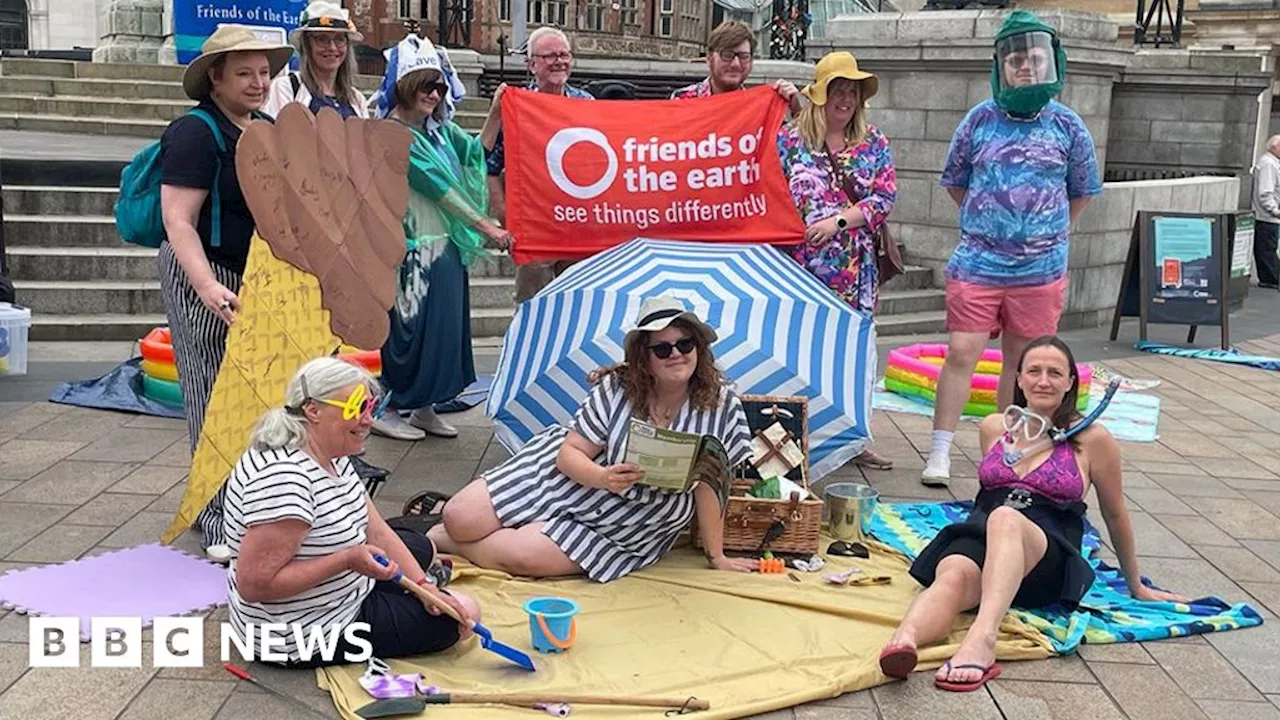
(840, 170)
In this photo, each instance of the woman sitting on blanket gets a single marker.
(566, 504)
(1021, 544)
(305, 536)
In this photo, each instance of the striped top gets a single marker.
(272, 485)
(605, 412)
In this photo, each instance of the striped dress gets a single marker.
(272, 485)
(606, 534)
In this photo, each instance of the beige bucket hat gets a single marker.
(229, 39)
(657, 313)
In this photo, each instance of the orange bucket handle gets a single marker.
(551, 637)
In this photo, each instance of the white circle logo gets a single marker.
(560, 144)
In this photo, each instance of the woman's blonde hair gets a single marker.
(811, 121)
(344, 86)
(286, 427)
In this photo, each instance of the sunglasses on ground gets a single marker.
(663, 349)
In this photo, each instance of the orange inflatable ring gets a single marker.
(157, 347)
(370, 360)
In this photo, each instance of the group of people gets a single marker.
(306, 544)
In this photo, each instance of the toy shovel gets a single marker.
(486, 637)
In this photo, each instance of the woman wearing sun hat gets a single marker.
(325, 39)
(843, 181)
(568, 504)
(201, 261)
(427, 356)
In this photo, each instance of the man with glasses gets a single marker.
(730, 53)
(1022, 168)
(550, 62)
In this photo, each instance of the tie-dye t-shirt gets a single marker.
(1021, 176)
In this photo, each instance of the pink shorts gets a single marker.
(1027, 312)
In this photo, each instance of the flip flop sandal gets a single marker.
(988, 673)
(898, 661)
(428, 502)
(872, 460)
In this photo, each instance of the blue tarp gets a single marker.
(120, 389)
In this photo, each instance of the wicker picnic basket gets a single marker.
(749, 520)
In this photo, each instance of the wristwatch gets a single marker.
(842, 222)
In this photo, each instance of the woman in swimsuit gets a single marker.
(1021, 544)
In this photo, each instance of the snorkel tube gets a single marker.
(1061, 436)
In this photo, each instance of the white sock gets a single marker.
(942, 444)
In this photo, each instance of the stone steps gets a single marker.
(117, 99)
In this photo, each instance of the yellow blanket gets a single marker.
(748, 643)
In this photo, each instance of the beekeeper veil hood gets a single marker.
(1029, 64)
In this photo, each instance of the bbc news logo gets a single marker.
(178, 642)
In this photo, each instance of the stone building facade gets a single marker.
(652, 29)
(48, 24)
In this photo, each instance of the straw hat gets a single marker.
(839, 65)
(324, 16)
(659, 312)
(229, 39)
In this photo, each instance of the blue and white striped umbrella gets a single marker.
(781, 332)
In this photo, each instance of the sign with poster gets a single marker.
(1177, 272)
(1241, 260)
(195, 20)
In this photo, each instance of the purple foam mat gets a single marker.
(147, 581)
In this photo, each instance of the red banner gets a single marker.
(583, 176)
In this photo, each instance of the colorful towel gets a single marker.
(1131, 416)
(1108, 613)
(1227, 356)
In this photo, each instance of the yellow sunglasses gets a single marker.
(357, 403)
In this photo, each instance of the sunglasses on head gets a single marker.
(357, 405)
(663, 350)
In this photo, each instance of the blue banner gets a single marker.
(195, 20)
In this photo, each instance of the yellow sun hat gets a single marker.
(839, 65)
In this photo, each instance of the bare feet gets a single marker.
(899, 657)
(974, 651)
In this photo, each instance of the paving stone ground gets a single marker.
(1205, 501)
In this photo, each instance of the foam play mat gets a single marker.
(147, 581)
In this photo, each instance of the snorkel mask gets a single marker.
(1034, 427)
(1029, 65)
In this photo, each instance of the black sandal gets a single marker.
(414, 517)
(418, 504)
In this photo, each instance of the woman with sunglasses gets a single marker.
(427, 357)
(1021, 545)
(567, 504)
(304, 534)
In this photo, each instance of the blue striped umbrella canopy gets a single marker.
(781, 332)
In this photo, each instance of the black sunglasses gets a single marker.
(663, 349)
(427, 86)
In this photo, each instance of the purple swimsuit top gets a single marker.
(1057, 478)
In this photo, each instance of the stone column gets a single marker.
(130, 31)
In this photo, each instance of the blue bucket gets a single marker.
(552, 623)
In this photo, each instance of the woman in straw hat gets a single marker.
(843, 181)
(569, 503)
(325, 39)
(206, 220)
(427, 357)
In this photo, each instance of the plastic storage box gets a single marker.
(15, 323)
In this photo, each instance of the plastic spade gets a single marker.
(486, 637)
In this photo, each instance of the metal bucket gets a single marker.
(849, 508)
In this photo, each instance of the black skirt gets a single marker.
(1062, 576)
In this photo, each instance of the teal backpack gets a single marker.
(139, 219)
